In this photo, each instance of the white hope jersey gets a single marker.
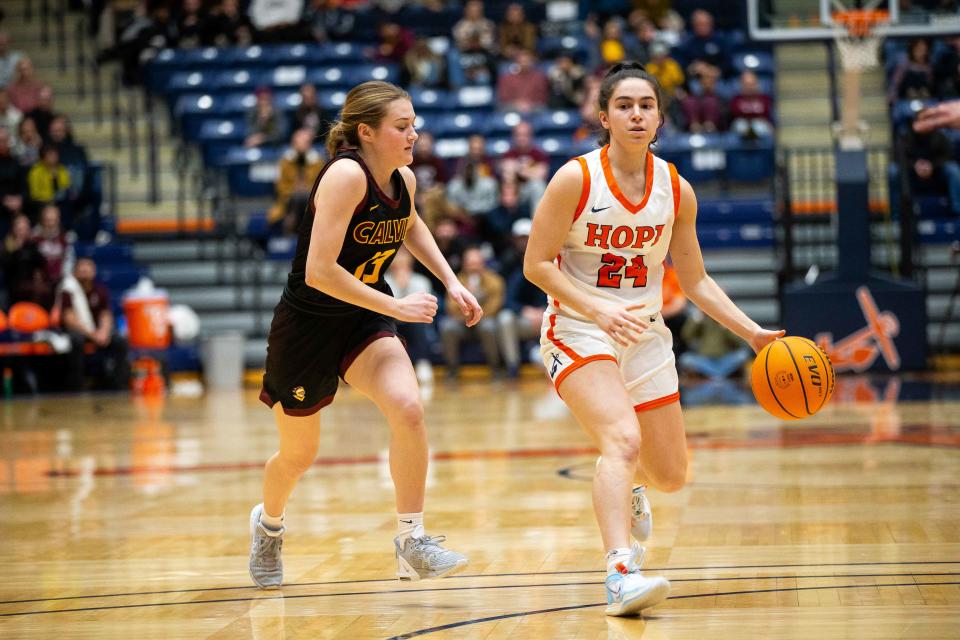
(615, 248)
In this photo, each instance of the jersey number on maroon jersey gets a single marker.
(609, 275)
(373, 265)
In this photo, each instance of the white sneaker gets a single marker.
(424, 557)
(629, 591)
(424, 371)
(266, 565)
(641, 516)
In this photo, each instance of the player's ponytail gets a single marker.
(365, 104)
(614, 76)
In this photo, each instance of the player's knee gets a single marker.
(622, 443)
(406, 412)
(672, 479)
(298, 461)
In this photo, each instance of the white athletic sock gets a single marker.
(273, 524)
(409, 525)
(615, 557)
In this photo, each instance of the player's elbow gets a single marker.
(317, 279)
(531, 269)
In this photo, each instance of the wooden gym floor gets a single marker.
(127, 518)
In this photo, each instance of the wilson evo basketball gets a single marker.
(792, 378)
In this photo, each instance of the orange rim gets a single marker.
(860, 22)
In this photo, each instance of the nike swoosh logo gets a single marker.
(407, 521)
(595, 210)
(374, 207)
(653, 319)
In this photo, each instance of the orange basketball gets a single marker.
(792, 378)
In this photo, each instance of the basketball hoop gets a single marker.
(857, 33)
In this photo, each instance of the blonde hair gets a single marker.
(365, 104)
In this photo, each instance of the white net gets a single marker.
(858, 52)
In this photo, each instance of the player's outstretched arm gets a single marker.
(699, 287)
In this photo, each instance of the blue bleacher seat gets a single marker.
(760, 62)
(192, 109)
(115, 254)
(749, 161)
(502, 123)
(555, 121)
(456, 124)
(119, 278)
(430, 99)
(216, 136)
(251, 172)
(240, 78)
(474, 97)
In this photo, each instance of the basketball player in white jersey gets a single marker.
(600, 236)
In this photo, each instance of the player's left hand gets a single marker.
(468, 304)
(762, 338)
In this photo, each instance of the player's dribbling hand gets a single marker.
(416, 307)
(619, 322)
(467, 302)
(762, 338)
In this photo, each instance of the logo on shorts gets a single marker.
(299, 394)
(556, 365)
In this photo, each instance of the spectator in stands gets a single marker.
(24, 268)
(424, 68)
(525, 167)
(945, 114)
(704, 48)
(150, 31)
(714, 352)
(666, 70)
(325, 20)
(10, 116)
(43, 113)
(395, 42)
(488, 288)
(87, 317)
(656, 13)
(299, 168)
(475, 191)
(946, 71)
(523, 308)
(309, 115)
(613, 43)
(751, 110)
(516, 32)
(704, 110)
(430, 169)
(450, 242)
(645, 34)
(913, 78)
(589, 114)
(24, 90)
(472, 64)
(191, 22)
(8, 60)
(72, 155)
(418, 336)
(28, 142)
(474, 30)
(929, 157)
(525, 87)
(11, 176)
(227, 26)
(53, 244)
(275, 20)
(265, 125)
(48, 180)
(566, 80)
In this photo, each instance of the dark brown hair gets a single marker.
(614, 76)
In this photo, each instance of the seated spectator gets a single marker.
(150, 31)
(191, 22)
(424, 68)
(613, 44)
(930, 161)
(53, 244)
(418, 336)
(472, 64)
(326, 20)
(589, 109)
(42, 114)
(566, 79)
(645, 34)
(474, 190)
(26, 146)
(713, 352)
(751, 110)
(24, 269)
(309, 115)
(265, 125)
(704, 49)
(227, 26)
(10, 116)
(86, 316)
(666, 70)
(474, 29)
(8, 60)
(430, 169)
(24, 90)
(946, 71)
(11, 178)
(48, 181)
(704, 110)
(523, 308)
(275, 21)
(72, 155)
(450, 243)
(299, 168)
(913, 78)
(516, 32)
(525, 87)
(487, 286)
(395, 42)
(525, 167)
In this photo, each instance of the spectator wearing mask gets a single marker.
(525, 87)
(265, 125)
(87, 317)
(299, 168)
(418, 336)
(522, 313)
(488, 288)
